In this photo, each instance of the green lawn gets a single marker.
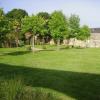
(75, 73)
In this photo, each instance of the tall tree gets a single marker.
(15, 16)
(74, 26)
(3, 26)
(45, 33)
(15, 27)
(58, 26)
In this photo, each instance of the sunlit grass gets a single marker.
(75, 73)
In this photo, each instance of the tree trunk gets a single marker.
(2, 45)
(7, 44)
(33, 43)
(86, 43)
(17, 41)
(68, 41)
(10, 44)
(73, 42)
(43, 43)
(17, 38)
(58, 44)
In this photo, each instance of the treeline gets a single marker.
(18, 28)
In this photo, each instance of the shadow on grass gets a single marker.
(48, 50)
(81, 86)
(16, 53)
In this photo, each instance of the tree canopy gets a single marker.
(58, 25)
(44, 15)
(17, 22)
(74, 25)
(17, 14)
(84, 33)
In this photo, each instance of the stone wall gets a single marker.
(92, 42)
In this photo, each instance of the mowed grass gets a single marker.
(74, 73)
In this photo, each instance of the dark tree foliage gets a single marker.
(15, 17)
(44, 15)
(3, 26)
(17, 14)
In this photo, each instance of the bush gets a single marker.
(30, 93)
(16, 90)
(10, 88)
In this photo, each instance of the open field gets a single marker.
(75, 73)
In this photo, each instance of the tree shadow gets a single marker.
(16, 53)
(81, 86)
(48, 50)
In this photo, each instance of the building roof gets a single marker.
(95, 30)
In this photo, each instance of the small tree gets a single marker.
(74, 26)
(58, 26)
(84, 33)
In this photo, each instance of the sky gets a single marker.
(88, 10)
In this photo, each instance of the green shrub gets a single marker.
(14, 89)
(10, 88)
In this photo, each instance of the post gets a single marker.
(58, 44)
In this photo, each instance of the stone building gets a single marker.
(94, 40)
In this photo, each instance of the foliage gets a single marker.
(74, 25)
(14, 89)
(1, 14)
(9, 89)
(45, 32)
(58, 25)
(16, 23)
(16, 14)
(44, 15)
(32, 24)
(3, 22)
(4, 26)
(35, 25)
(84, 33)
(46, 18)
